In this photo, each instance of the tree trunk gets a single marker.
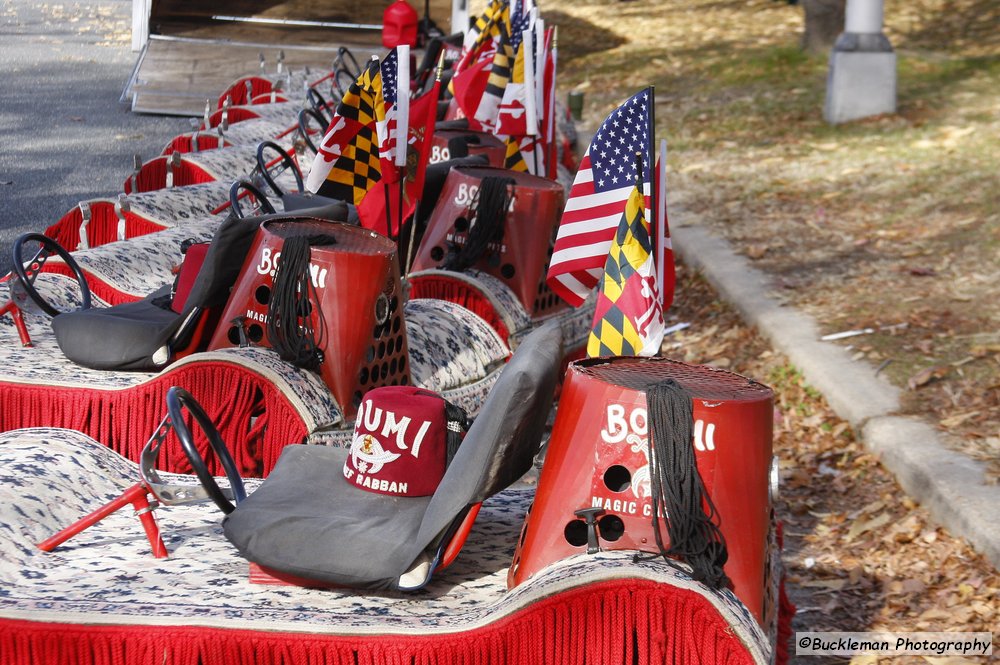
(824, 22)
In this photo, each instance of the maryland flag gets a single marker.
(628, 319)
(500, 71)
(521, 154)
(347, 163)
(484, 28)
(484, 68)
(524, 103)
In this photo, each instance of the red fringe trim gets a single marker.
(185, 143)
(102, 229)
(254, 418)
(98, 287)
(236, 114)
(67, 230)
(460, 293)
(237, 92)
(626, 621)
(136, 226)
(153, 176)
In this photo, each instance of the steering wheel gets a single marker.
(343, 80)
(262, 201)
(318, 103)
(286, 161)
(26, 274)
(343, 55)
(177, 400)
(304, 116)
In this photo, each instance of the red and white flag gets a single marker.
(666, 271)
(382, 203)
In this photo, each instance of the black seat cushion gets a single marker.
(323, 207)
(223, 262)
(307, 520)
(314, 205)
(123, 337)
(133, 336)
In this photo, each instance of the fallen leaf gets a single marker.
(912, 586)
(874, 506)
(864, 659)
(860, 527)
(935, 613)
(926, 375)
(839, 429)
(958, 419)
(982, 609)
(832, 585)
(979, 350)
(756, 251)
(920, 271)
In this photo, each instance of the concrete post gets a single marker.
(861, 80)
(140, 23)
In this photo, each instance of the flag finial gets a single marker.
(440, 67)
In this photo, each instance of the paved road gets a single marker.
(64, 136)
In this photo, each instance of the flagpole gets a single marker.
(538, 64)
(650, 148)
(661, 223)
(385, 185)
(388, 209)
(530, 106)
(416, 208)
(403, 119)
(552, 149)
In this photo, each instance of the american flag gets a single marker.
(386, 124)
(598, 196)
(520, 21)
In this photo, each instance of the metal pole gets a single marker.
(863, 16)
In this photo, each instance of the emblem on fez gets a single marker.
(368, 455)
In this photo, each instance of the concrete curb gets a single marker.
(950, 485)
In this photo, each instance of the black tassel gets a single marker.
(677, 489)
(293, 296)
(492, 204)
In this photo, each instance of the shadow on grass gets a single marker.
(578, 38)
(958, 25)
